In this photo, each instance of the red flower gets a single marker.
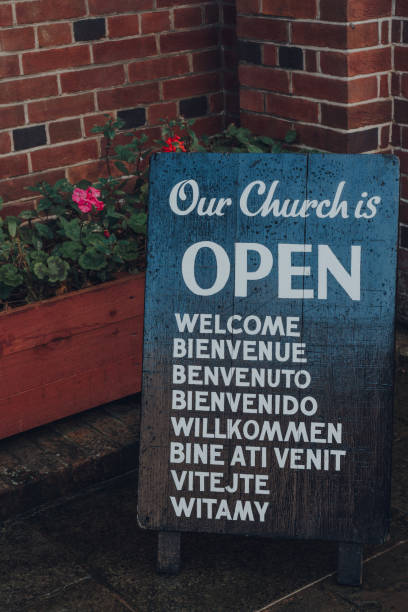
(174, 144)
(106, 233)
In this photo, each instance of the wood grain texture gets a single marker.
(70, 354)
(349, 342)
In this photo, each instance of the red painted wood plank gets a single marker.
(62, 398)
(71, 355)
(71, 314)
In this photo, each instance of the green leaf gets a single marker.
(40, 270)
(121, 167)
(27, 214)
(290, 136)
(72, 229)
(5, 291)
(71, 250)
(127, 250)
(92, 260)
(57, 269)
(44, 230)
(137, 222)
(12, 226)
(10, 276)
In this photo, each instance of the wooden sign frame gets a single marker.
(268, 349)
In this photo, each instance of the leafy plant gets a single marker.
(85, 234)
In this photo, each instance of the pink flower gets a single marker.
(87, 199)
(106, 233)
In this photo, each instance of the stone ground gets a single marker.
(69, 540)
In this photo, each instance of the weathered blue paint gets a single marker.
(349, 343)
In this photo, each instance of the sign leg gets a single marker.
(350, 563)
(168, 552)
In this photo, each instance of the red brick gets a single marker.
(362, 35)
(13, 165)
(303, 9)
(396, 30)
(9, 66)
(257, 28)
(104, 7)
(171, 3)
(216, 102)
(357, 10)
(401, 58)
(166, 110)
(6, 15)
(89, 171)
(403, 157)
(12, 116)
(54, 34)
(123, 25)
(27, 89)
(252, 100)
(130, 48)
(185, 41)
(310, 60)
(401, 8)
(44, 10)
(187, 17)
(16, 188)
(208, 125)
(317, 34)
(260, 77)
(353, 117)
(385, 136)
(189, 86)
(62, 131)
(57, 108)
(334, 63)
(292, 108)
(266, 125)
(206, 60)
(248, 7)
(384, 86)
(54, 59)
(94, 78)
(63, 155)
(385, 32)
(5, 143)
(159, 21)
(94, 120)
(270, 55)
(15, 39)
(128, 97)
(374, 60)
(150, 70)
(396, 84)
(319, 87)
(337, 142)
(362, 89)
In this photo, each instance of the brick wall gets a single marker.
(63, 64)
(319, 66)
(400, 141)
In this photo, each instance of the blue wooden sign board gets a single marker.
(268, 347)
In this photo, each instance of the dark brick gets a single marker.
(89, 29)
(133, 117)
(193, 107)
(360, 142)
(250, 52)
(405, 32)
(28, 138)
(291, 57)
(404, 237)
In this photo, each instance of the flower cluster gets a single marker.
(86, 199)
(174, 144)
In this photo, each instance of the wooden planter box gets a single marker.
(70, 353)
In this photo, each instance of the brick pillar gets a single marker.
(400, 142)
(322, 67)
